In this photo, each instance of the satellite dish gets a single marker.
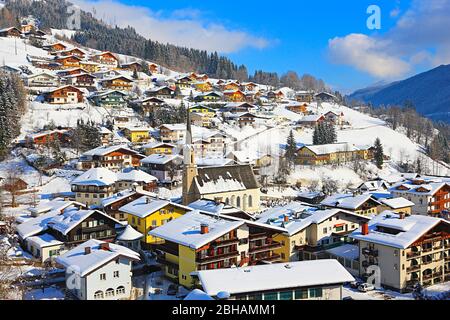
(223, 295)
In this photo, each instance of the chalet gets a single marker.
(311, 120)
(207, 97)
(234, 95)
(106, 58)
(117, 83)
(149, 105)
(201, 119)
(106, 136)
(10, 69)
(172, 133)
(297, 107)
(336, 118)
(134, 179)
(161, 93)
(153, 67)
(130, 238)
(408, 250)
(71, 52)
(249, 86)
(198, 77)
(203, 86)
(210, 145)
(104, 269)
(183, 82)
(55, 47)
(202, 241)
(137, 134)
(239, 107)
(80, 80)
(90, 66)
(304, 96)
(210, 112)
(111, 205)
(167, 168)
(132, 66)
(147, 213)
(325, 97)
(37, 35)
(328, 154)
(26, 28)
(373, 186)
(430, 196)
(12, 184)
(110, 99)
(64, 95)
(70, 72)
(230, 86)
(397, 205)
(301, 280)
(45, 137)
(275, 95)
(43, 79)
(110, 157)
(93, 186)
(68, 62)
(12, 32)
(243, 118)
(364, 204)
(311, 197)
(159, 148)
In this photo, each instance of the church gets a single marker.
(235, 185)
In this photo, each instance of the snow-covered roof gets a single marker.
(97, 177)
(160, 158)
(104, 150)
(44, 240)
(331, 148)
(36, 225)
(57, 204)
(86, 263)
(129, 234)
(311, 118)
(397, 203)
(374, 185)
(185, 230)
(175, 126)
(136, 176)
(406, 230)
(347, 251)
(198, 295)
(429, 188)
(208, 162)
(157, 144)
(144, 206)
(347, 201)
(273, 277)
(124, 194)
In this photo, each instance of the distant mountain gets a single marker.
(428, 91)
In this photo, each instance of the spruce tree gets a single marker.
(291, 149)
(378, 153)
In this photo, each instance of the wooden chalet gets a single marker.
(80, 80)
(55, 47)
(235, 96)
(106, 58)
(12, 32)
(64, 95)
(117, 83)
(68, 61)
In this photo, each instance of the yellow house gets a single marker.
(209, 112)
(203, 86)
(146, 213)
(137, 134)
(158, 148)
(363, 204)
(397, 205)
(90, 66)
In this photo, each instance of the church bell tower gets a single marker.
(189, 167)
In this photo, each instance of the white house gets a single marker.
(98, 270)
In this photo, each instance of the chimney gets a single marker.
(217, 200)
(286, 218)
(401, 215)
(204, 228)
(104, 246)
(87, 250)
(365, 229)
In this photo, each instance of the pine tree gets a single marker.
(291, 149)
(378, 153)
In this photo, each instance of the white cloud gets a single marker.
(184, 27)
(367, 55)
(420, 37)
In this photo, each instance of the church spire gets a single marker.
(189, 168)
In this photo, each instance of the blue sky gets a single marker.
(328, 39)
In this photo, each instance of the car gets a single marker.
(172, 290)
(347, 298)
(355, 284)
(365, 287)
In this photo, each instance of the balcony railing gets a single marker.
(413, 254)
(413, 268)
(217, 257)
(265, 247)
(258, 236)
(224, 243)
(370, 252)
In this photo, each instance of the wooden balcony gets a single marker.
(370, 252)
(225, 243)
(258, 236)
(265, 247)
(412, 254)
(413, 268)
(216, 258)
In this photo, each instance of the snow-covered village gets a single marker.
(127, 178)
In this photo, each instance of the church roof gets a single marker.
(225, 179)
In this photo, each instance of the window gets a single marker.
(98, 295)
(301, 294)
(102, 276)
(286, 295)
(120, 290)
(271, 296)
(257, 296)
(315, 293)
(110, 292)
(250, 201)
(325, 230)
(238, 202)
(116, 274)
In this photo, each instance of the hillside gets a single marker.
(428, 91)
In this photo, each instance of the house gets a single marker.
(373, 186)
(303, 280)
(167, 168)
(308, 230)
(114, 158)
(58, 46)
(184, 82)
(336, 118)
(325, 97)
(10, 69)
(112, 204)
(275, 95)
(234, 95)
(311, 197)
(137, 134)
(408, 250)
(147, 213)
(158, 148)
(132, 66)
(240, 107)
(133, 178)
(209, 112)
(201, 120)
(364, 204)
(43, 79)
(130, 238)
(117, 83)
(304, 96)
(203, 86)
(110, 99)
(68, 62)
(26, 28)
(153, 67)
(230, 86)
(106, 58)
(199, 241)
(161, 93)
(89, 66)
(329, 154)
(249, 86)
(311, 120)
(429, 196)
(211, 145)
(207, 97)
(242, 118)
(80, 80)
(71, 52)
(70, 72)
(172, 133)
(297, 107)
(11, 32)
(106, 135)
(99, 270)
(149, 105)
(45, 137)
(93, 186)
(64, 95)
(397, 205)
(12, 184)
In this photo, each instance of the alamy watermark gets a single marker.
(74, 18)
(374, 19)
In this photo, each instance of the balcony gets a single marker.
(164, 261)
(166, 249)
(370, 252)
(425, 250)
(427, 276)
(225, 243)
(265, 247)
(413, 268)
(272, 258)
(258, 236)
(412, 254)
(215, 258)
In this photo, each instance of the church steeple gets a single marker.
(189, 168)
